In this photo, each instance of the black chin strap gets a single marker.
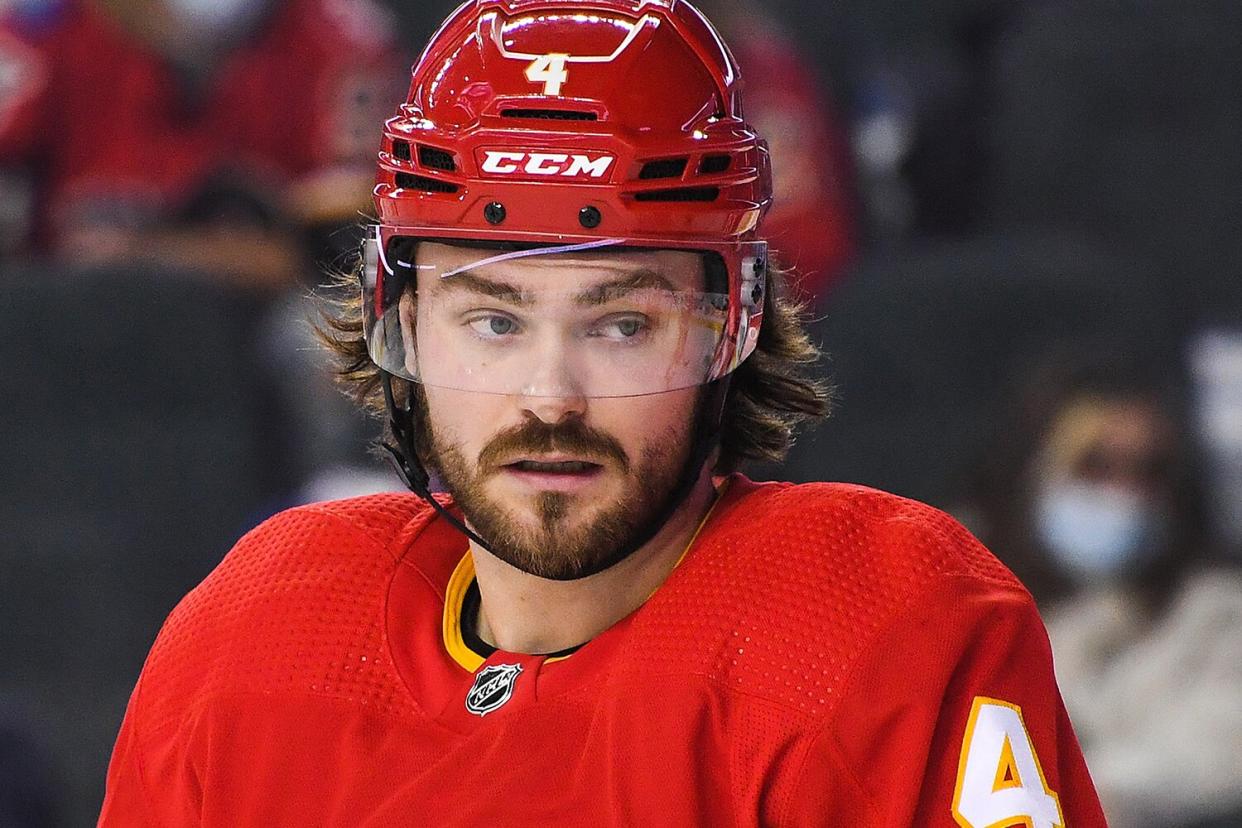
(406, 462)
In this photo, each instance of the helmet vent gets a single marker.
(666, 168)
(714, 164)
(436, 159)
(427, 185)
(401, 150)
(550, 114)
(680, 194)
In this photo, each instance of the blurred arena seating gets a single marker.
(1123, 119)
(923, 342)
(133, 457)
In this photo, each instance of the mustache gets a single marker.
(537, 437)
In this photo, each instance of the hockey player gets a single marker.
(567, 312)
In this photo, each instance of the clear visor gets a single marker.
(601, 319)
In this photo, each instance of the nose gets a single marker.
(554, 391)
(554, 410)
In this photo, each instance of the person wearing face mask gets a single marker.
(1102, 498)
(1104, 524)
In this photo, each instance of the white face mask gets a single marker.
(216, 16)
(1095, 532)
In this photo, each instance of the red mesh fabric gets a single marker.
(274, 695)
(297, 606)
(783, 597)
(779, 600)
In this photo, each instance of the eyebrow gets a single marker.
(638, 280)
(489, 287)
(594, 295)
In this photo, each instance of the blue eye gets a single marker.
(629, 327)
(621, 328)
(493, 325)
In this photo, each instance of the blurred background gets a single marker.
(1017, 225)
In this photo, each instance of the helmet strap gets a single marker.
(406, 462)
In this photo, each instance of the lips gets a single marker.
(554, 467)
(567, 449)
(553, 473)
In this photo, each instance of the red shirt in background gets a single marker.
(111, 132)
(812, 225)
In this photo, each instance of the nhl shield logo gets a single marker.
(493, 686)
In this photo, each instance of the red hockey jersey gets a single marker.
(823, 655)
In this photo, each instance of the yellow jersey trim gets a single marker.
(463, 575)
(454, 594)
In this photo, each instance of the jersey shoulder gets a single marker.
(789, 587)
(836, 528)
(295, 606)
(779, 534)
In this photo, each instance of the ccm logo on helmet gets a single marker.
(533, 164)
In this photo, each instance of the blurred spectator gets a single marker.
(227, 138)
(145, 144)
(198, 134)
(912, 79)
(1096, 506)
(921, 340)
(812, 224)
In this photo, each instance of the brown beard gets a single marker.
(554, 550)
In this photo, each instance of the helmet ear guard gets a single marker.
(751, 291)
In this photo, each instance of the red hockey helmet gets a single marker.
(573, 125)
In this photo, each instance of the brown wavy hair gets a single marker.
(778, 389)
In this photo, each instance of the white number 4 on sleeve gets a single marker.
(999, 780)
